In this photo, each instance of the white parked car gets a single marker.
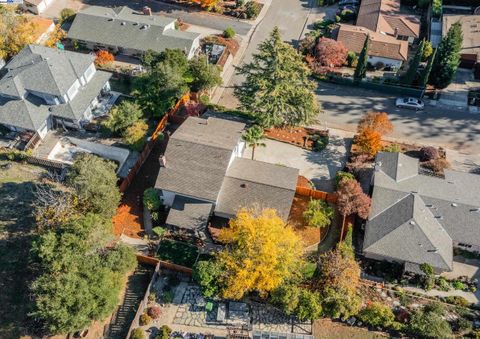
(411, 103)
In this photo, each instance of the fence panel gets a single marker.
(308, 192)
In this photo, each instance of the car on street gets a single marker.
(410, 103)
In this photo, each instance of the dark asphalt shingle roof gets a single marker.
(250, 183)
(453, 202)
(197, 157)
(189, 213)
(124, 27)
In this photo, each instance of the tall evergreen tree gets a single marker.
(411, 73)
(426, 72)
(447, 58)
(277, 89)
(361, 69)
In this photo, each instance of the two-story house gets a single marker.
(203, 174)
(44, 87)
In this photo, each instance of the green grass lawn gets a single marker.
(16, 234)
(177, 252)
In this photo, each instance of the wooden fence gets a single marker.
(308, 192)
(163, 264)
(149, 146)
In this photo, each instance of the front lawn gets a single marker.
(17, 231)
(177, 252)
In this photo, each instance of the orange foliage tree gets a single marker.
(207, 4)
(371, 128)
(103, 58)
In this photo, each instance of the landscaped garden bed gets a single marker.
(247, 10)
(308, 138)
(177, 252)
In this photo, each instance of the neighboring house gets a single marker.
(36, 6)
(123, 30)
(470, 53)
(416, 219)
(45, 87)
(42, 28)
(382, 48)
(203, 173)
(383, 16)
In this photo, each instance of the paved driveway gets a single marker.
(188, 15)
(320, 167)
(344, 106)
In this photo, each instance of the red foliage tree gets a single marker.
(328, 54)
(154, 312)
(351, 199)
(103, 58)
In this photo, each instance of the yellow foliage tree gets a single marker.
(369, 141)
(57, 35)
(262, 252)
(134, 136)
(16, 31)
(207, 4)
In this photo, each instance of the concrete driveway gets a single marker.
(344, 106)
(319, 167)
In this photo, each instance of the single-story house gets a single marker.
(46, 87)
(36, 6)
(383, 16)
(416, 219)
(123, 30)
(203, 173)
(382, 48)
(470, 52)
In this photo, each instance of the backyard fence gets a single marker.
(308, 192)
(149, 146)
(163, 264)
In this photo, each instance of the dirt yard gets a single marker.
(328, 329)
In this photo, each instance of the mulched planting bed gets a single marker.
(309, 235)
(177, 252)
(307, 138)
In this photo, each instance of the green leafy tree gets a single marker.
(427, 50)
(286, 296)
(206, 274)
(277, 89)
(377, 314)
(361, 69)
(204, 76)
(95, 183)
(411, 73)
(135, 136)
(253, 137)
(428, 69)
(447, 57)
(138, 333)
(428, 324)
(343, 175)
(67, 15)
(122, 117)
(309, 306)
(318, 214)
(151, 200)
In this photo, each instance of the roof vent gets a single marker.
(475, 209)
(435, 250)
(110, 19)
(135, 24)
(414, 192)
(454, 204)
(243, 185)
(123, 23)
(145, 27)
(429, 205)
(412, 222)
(439, 217)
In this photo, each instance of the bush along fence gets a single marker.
(377, 86)
(149, 146)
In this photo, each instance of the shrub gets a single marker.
(347, 15)
(377, 314)
(206, 274)
(457, 300)
(164, 332)
(458, 285)
(152, 297)
(229, 33)
(318, 213)
(428, 153)
(137, 333)
(151, 200)
(337, 18)
(438, 165)
(167, 297)
(379, 66)
(437, 8)
(309, 305)
(429, 325)
(392, 148)
(252, 9)
(103, 58)
(352, 59)
(66, 14)
(343, 175)
(145, 319)
(154, 312)
(443, 284)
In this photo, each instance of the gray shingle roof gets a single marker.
(190, 214)
(197, 157)
(250, 183)
(50, 71)
(452, 201)
(123, 27)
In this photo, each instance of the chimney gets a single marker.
(395, 34)
(163, 161)
(147, 11)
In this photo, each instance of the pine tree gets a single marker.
(426, 72)
(277, 89)
(411, 73)
(361, 69)
(447, 58)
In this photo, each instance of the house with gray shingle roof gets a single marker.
(123, 30)
(203, 174)
(45, 87)
(416, 219)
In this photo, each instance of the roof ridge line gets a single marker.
(255, 182)
(391, 205)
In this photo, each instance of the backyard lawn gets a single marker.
(177, 252)
(16, 234)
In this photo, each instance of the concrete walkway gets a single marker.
(471, 297)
